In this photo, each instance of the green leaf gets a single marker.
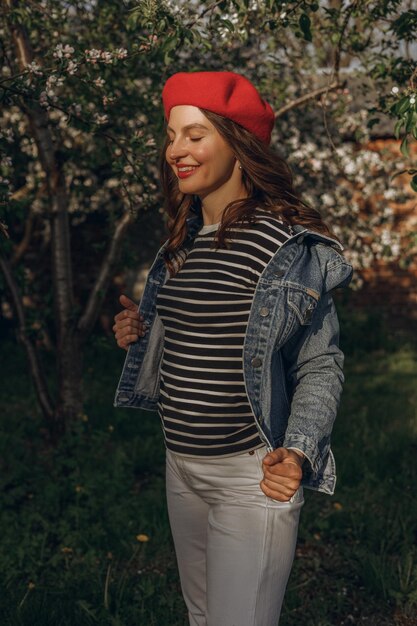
(397, 128)
(403, 105)
(189, 35)
(305, 24)
(169, 44)
(133, 19)
(413, 183)
(411, 122)
(404, 147)
(228, 24)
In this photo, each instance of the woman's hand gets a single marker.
(282, 474)
(129, 324)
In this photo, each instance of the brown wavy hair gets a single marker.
(267, 178)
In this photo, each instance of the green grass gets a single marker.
(69, 517)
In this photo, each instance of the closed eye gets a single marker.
(195, 138)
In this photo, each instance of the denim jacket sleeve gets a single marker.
(314, 371)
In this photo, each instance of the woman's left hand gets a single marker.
(282, 474)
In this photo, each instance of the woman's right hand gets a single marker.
(129, 324)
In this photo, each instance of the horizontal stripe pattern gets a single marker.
(203, 405)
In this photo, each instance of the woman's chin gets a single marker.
(189, 187)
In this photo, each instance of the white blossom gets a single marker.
(107, 100)
(395, 90)
(121, 53)
(92, 55)
(77, 108)
(7, 134)
(63, 51)
(396, 249)
(327, 199)
(316, 165)
(390, 194)
(72, 67)
(43, 99)
(101, 119)
(350, 167)
(385, 237)
(106, 57)
(34, 68)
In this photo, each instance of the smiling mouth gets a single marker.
(186, 171)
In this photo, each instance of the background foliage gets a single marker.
(84, 532)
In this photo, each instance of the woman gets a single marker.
(235, 343)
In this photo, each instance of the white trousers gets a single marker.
(234, 545)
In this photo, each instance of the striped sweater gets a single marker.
(203, 406)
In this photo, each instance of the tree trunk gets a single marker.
(72, 328)
(69, 367)
(70, 382)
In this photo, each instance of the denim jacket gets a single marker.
(292, 363)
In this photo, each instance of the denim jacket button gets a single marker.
(256, 361)
(308, 312)
(264, 311)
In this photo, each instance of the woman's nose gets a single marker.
(176, 150)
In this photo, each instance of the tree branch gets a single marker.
(23, 245)
(211, 7)
(32, 353)
(98, 292)
(308, 96)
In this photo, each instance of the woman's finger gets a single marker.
(276, 494)
(285, 481)
(126, 314)
(123, 342)
(128, 303)
(129, 323)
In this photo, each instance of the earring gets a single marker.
(240, 167)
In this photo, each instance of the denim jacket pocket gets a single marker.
(303, 302)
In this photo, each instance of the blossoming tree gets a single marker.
(81, 120)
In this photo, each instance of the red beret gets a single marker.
(225, 93)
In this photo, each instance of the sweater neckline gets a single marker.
(208, 228)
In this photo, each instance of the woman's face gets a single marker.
(199, 156)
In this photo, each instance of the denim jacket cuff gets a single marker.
(299, 450)
(307, 447)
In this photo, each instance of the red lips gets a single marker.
(186, 173)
